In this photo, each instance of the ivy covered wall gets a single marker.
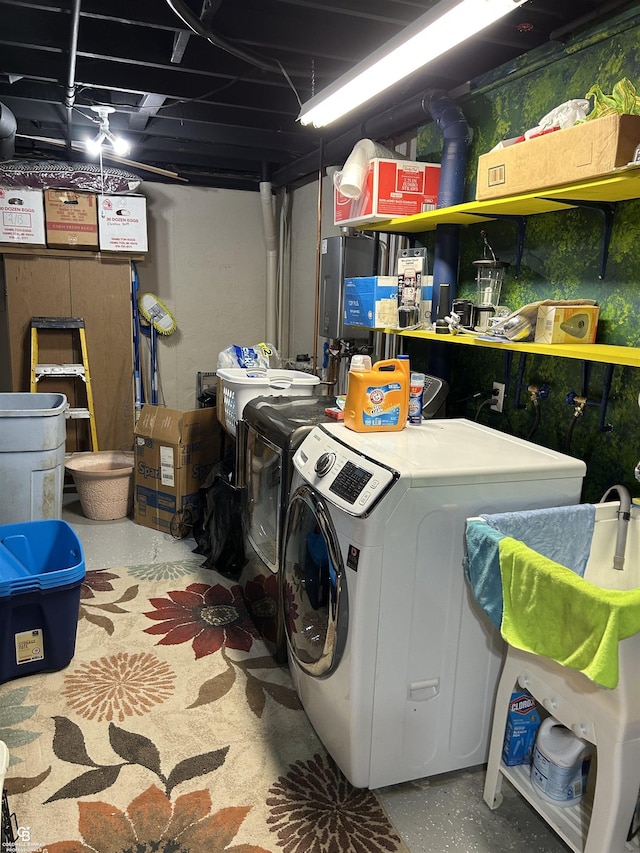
(560, 261)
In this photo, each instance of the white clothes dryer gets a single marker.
(393, 661)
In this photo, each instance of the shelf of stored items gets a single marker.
(570, 822)
(621, 185)
(606, 717)
(604, 353)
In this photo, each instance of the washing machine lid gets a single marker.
(441, 451)
(281, 418)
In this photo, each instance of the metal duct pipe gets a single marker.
(70, 90)
(7, 133)
(456, 135)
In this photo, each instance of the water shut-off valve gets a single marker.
(579, 403)
(538, 393)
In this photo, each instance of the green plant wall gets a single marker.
(560, 261)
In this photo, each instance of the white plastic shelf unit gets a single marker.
(609, 719)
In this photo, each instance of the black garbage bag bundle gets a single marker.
(218, 529)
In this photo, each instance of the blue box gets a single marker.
(523, 722)
(371, 301)
(41, 571)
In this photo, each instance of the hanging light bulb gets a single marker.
(119, 144)
(94, 146)
(104, 136)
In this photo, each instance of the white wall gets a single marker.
(207, 262)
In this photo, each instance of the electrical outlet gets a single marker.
(497, 400)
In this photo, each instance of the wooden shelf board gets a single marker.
(9, 249)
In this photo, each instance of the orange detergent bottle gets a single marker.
(377, 397)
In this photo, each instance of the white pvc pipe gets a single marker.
(284, 275)
(271, 241)
(350, 181)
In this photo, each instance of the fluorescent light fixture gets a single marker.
(104, 136)
(449, 23)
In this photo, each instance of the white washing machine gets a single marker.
(393, 661)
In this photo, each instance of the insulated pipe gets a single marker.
(182, 10)
(7, 133)
(455, 134)
(271, 240)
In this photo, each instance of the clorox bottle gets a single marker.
(560, 764)
(378, 396)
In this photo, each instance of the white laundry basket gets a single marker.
(236, 386)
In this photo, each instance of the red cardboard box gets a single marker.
(391, 188)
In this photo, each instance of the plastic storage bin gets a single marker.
(32, 445)
(41, 570)
(237, 386)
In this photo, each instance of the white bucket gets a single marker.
(560, 764)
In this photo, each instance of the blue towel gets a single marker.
(562, 533)
(482, 568)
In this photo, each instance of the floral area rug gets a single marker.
(173, 730)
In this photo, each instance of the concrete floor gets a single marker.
(442, 814)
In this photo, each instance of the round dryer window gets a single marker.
(313, 585)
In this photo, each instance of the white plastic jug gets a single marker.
(560, 764)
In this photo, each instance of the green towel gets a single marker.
(549, 610)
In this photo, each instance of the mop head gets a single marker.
(157, 314)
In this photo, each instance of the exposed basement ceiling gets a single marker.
(197, 106)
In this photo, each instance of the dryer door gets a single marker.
(313, 585)
(263, 510)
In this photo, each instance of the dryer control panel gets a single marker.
(342, 476)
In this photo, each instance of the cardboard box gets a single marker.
(566, 156)
(371, 301)
(391, 188)
(122, 223)
(72, 221)
(566, 325)
(22, 217)
(174, 453)
(523, 721)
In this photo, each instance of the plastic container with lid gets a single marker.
(560, 764)
(378, 396)
(32, 448)
(41, 571)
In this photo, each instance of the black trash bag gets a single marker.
(218, 529)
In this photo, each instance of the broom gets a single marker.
(161, 321)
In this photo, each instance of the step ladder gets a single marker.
(65, 371)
